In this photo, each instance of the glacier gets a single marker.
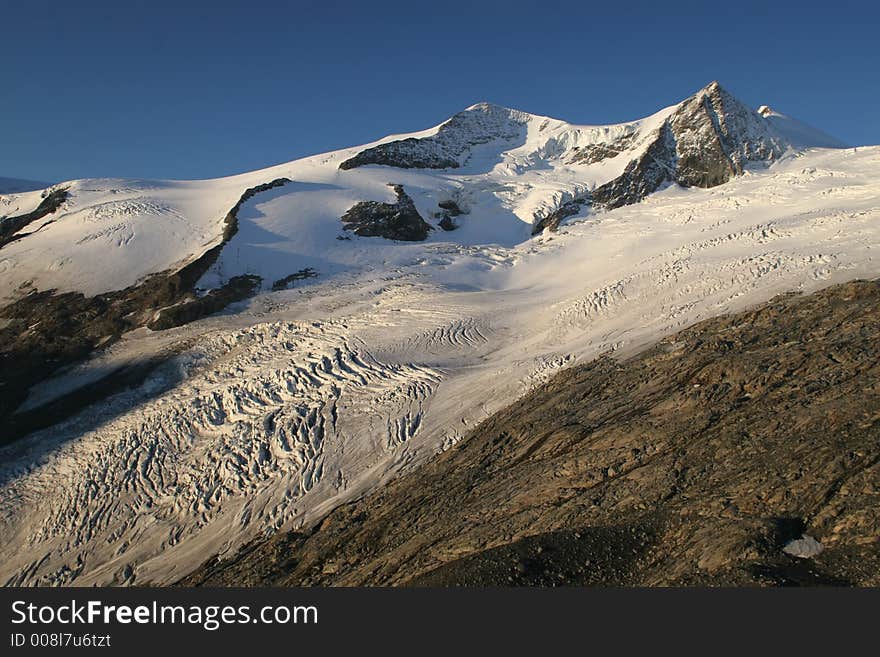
(285, 404)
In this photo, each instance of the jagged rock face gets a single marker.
(450, 147)
(552, 220)
(708, 140)
(451, 207)
(716, 135)
(593, 153)
(449, 210)
(447, 223)
(235, 289)
(643, 175)
(9, 226)
(408, 153)
(393, 221)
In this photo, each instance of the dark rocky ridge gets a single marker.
(716, 135)
(693, 462)
(645, 174)
(560, 214)
(593, 153)
(707, 141)
(448, 148)
(393, 221)
(403, 154)
(45, 331)
(9, 226)
(449, 210)
(287, 281)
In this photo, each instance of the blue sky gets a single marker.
(203, 89)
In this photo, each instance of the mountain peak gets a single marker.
(479, 112)
(485, 106)
(451, 144)
(714, 90)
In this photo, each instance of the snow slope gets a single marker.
(278, 409)
(798, 133)
(112, 233)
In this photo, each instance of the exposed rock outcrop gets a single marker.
(287, 281)
(393, 221)
(592, 153)
(552, 220)
(449, 210)
(10, 226)
(699, 461)
(404, 154)
(716, 136)
(451, 145)
(235, 289)
(643, 175)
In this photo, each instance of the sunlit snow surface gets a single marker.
(284, 406)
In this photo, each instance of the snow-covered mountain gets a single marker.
(268, 345)
(506, 174)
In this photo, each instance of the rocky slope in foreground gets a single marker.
(695, 462)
